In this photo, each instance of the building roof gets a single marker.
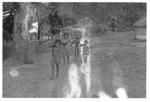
(141, 22)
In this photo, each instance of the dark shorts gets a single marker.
(55, 60)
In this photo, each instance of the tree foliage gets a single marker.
(125, 13)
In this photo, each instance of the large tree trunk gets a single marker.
(21, 33)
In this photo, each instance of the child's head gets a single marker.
(66, 35)
(57, 43)
(77, 38)
(85, 42)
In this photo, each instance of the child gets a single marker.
(85, 51)
(56, 57)
(77, 50)
(66, 46)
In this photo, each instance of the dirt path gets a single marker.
(115, 62)
(118, 63)
(34, 80)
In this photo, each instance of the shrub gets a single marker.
(99, 28)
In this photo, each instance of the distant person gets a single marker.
(114, 25)
(85, 53)
(76, 43)
(56, 57)
(66, 47)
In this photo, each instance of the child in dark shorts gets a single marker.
(85, 53)
(56, 57)
(66, 48)
(76, 43)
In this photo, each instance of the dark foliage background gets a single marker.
(125, 15)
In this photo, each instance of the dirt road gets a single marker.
(116, 61)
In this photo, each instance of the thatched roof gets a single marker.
(141, 22)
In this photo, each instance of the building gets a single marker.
(140, 28)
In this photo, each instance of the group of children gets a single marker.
(63, 48)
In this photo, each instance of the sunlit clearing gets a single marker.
(73, 75)
(34, 28)
(121, 93)
(35, 24)
(103, 95)
(13, 73)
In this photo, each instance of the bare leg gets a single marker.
(85, 58)
(57, 70)
(53, 67)
(75, 52)
(64, 58)
(78, 53)
(68, 59)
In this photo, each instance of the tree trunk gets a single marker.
(38, 32)
(21, 34)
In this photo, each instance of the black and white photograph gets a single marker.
(74, 49)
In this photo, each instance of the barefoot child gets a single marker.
(66, 46)
(56, 57)
(85, 53)
(76, 42)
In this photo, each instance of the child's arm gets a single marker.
(81, 45)
(61, 52)
(51, 44)
(72, 42)
(88, 48)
